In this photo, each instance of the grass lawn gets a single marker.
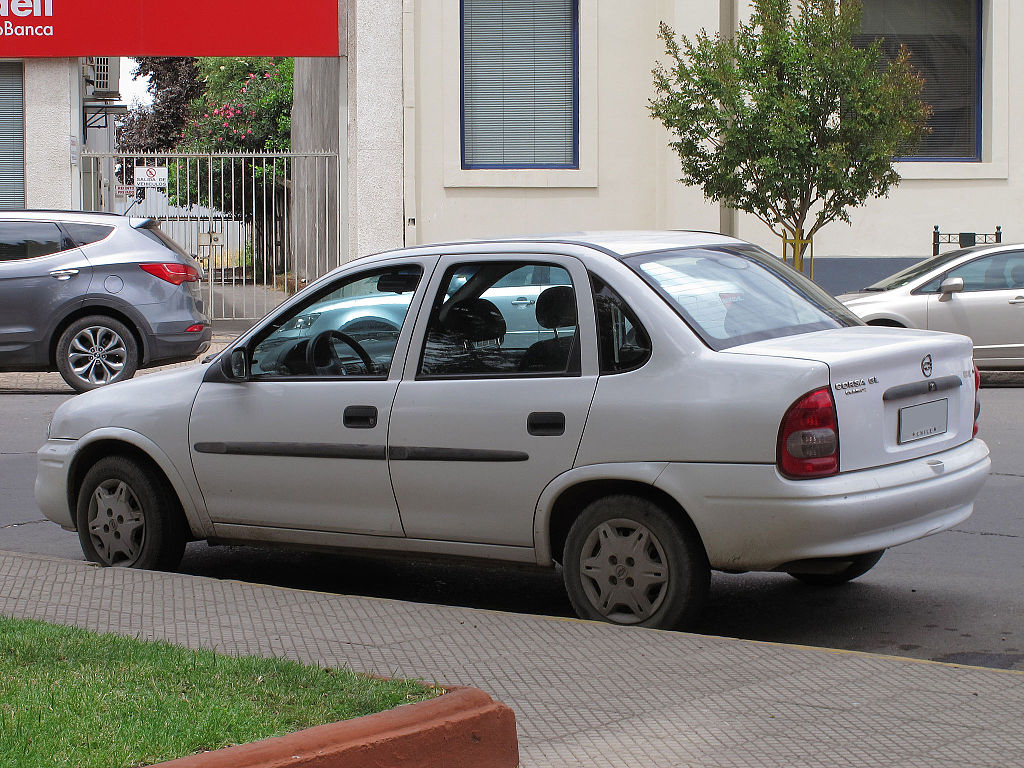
(69, 697)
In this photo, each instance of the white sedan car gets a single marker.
(690, 404)
(976, 291)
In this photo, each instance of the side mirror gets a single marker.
(236, 365)
(951, 285)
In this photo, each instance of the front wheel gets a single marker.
(627, 561)
(126, 516)
(96, 350)
(858, 566)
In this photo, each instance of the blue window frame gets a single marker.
(520, 84)
(944, 38)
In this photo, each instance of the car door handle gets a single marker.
(360, 417)
(63, 274)
(1018, 300)
(546, 423)
(522, 301)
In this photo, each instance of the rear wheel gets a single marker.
(627, 561)
(96, 350)
(858, 566)
(127, 516)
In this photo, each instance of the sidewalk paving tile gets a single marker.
(584, 694)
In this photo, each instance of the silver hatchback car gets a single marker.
(95, 296)
(977, 291)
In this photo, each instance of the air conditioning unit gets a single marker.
(107, 77)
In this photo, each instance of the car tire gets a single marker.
(618, 539)
(858, 566)
(96, 350)
(128, 516)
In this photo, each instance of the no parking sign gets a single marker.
(151, 176)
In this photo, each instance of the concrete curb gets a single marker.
(464, 728)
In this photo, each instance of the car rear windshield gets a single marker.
(152, 231)
(732, 295)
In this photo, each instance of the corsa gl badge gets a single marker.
(926, 365)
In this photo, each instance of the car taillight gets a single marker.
(173, 272)
(977, 405)
(809, 437)
(198, 327)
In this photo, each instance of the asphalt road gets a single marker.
(951, 597)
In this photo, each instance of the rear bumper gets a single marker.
(178, 347)
(751, 518)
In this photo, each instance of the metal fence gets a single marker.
(262, 225)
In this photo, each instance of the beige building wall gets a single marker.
(53, 116)
(628, 175)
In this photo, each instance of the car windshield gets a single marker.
(920, 269)
(731, 295)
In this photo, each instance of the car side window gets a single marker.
(496, 319)
(21, 240)
(622, 343)
(998, 272)
(86, 234)
(346, 329)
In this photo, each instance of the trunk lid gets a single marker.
(900, 394)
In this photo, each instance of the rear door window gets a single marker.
(20, 240)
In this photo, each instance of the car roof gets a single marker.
(50, 214)
(618, 243)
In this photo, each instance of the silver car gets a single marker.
(977, 291)
(691, 404)
(95, 296)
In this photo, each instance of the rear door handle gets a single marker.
(1018, 300)
(360, 417)
(522, 301)
(546, 423)
(63, 274)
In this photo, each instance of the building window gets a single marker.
(520, 104)
(944, 40)
(12, 136)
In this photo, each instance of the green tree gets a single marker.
(787, 119)
(245, 106)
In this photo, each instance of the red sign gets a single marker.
(57, 28)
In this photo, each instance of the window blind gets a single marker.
(942, 37)
(12, 136)
(519, 105)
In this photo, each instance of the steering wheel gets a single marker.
(322, 358)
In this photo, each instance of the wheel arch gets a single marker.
(566, 498)
(887, 322)
(131, 444)
(103, 310)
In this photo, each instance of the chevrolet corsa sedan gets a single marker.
(686, 403)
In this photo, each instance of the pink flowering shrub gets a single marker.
(246, 106)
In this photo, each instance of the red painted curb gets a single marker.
(463, 728)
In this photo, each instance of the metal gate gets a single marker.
(262, 225)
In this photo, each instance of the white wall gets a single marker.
(52, 116)
(627, 177)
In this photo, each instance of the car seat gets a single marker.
(556, 308)
(1017, 276)
(467, 341)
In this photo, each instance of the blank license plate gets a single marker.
(925, 420)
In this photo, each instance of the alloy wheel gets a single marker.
(97, 355)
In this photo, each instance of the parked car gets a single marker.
(95, 296)
(691, 404)
(976, 291)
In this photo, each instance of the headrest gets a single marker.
(556, 307)
(475, 320)
(1017, 276)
